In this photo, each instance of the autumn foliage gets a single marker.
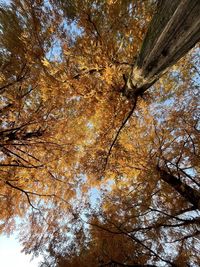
(92, 172)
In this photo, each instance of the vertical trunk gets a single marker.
(173, 31)
(190, 194)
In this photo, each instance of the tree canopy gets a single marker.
(99, 131)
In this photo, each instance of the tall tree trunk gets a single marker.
(190, 194)
(173, 31)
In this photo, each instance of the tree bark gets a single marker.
(190, 194)
(173, 31)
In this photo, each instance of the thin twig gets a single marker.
(23, 191)
(119, 131)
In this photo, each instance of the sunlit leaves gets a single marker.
(64, 68)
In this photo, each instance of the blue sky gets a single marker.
(10, 253)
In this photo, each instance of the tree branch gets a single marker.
(119, 131)
(24, 192)
(190, 194)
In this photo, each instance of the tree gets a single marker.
(77, 115)
(139, 220)
(173, 31)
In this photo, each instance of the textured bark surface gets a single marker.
(190, 194)
(173, 31)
